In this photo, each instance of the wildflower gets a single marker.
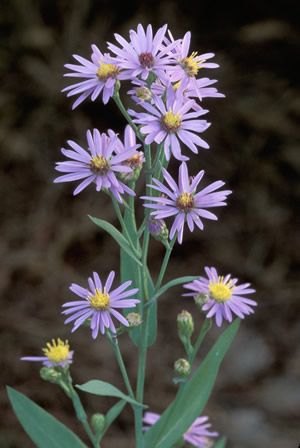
(225, 297)
(144, 54)
(100, 75)
(198, 434)
(187, 66)
(97, 164)
(56, 354)
(183, 202)
(168, 123)
(158, 229)
(99, 304)
(140, 91)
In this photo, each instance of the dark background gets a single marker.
(47, 241)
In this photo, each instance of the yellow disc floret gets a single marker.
(100, 300)
(171, 121)
(185, 201)
(106, 71)
(99, 165)
(221, 291)
(57, 351)
(190, 64)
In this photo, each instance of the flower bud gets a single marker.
(158, 229)
(50, 374)
(185, 324)
(134, 319)
(201, 298)
(143, 93)
(98, 422)
(182, 367)
(135, 163)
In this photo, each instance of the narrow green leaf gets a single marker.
(130, 271)
(193, 396)
(43, 429)
(221, 443)
(112, 414)
(117, 236)
(171, 284)
(97, 387)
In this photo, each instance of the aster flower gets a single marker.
(198, 434)
(183, 201)
(56, 354)
(187, 66)
(100, 75)
(98, 164)
(224, 297)
(143, 54)
(99, 304)
(168, 123)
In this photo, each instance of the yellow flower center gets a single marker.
(99, 165)
(100, 300)
(221, 291)
(106, 71)
(171, 121)
(190, 64)
(57, 351)
(185, 201)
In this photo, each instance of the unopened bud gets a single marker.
(50, 374)
(134, 319)
(98, 422)
(158, 229)
(182, 367)
(201, 299)
(185, 324)
(143, 93)
(135, 163)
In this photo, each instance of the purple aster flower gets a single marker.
(168, 123)
(143, 54)
(140, 91)
(99, 304)
(183, 202)
(98, 164)
(198, 434)
(224, 297)
(56, 354)
(100, 75)
(187, 66)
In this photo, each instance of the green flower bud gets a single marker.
(98, 422)
(158, 229)
(50, 374)
(201, 298)
(134, 319)
(185, 324)
(136, 164)
(143, 93)
(182, 367)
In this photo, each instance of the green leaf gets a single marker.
(112, 414)
(97, 387)
(221, 443)
(171, 284)
(43, 429)
(117, 236)
(192, 397)
(130, 271)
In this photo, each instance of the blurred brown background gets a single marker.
(47, 241)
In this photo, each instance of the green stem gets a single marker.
(126, 115)
(115, 344)
(80, 412)
(165, 263)
(123, 225)
(203, 332)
